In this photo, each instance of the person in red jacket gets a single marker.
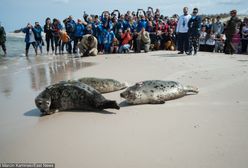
(126, 38)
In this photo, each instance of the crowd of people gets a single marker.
(113, 32)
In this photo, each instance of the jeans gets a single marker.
(183, 42)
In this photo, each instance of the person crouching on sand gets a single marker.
(29, 38)
(88, 45)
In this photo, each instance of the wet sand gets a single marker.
(206, 130)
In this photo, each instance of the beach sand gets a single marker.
(207, 130)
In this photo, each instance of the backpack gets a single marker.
(70, 28)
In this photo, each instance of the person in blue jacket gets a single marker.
(142, 23)
(38, 37)
(29, 38)
(108, 39)
(194, 26)
(78, 34)
(70, 29)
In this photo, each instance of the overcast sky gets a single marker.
(15, 14)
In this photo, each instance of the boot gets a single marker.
(26, 53)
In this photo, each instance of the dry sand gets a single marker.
(207, 130)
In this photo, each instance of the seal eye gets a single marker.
(47, 103)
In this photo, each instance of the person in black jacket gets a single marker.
(194, 25)
(3, 39)
(231, 27)
(49, 34)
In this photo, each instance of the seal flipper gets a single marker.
(109, 104)
(190, 89)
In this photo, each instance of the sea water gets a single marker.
(33, 71)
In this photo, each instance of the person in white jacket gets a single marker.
(182, 31)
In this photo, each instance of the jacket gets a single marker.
(194, 25)
(27, 36)
(79, 30)
(48, 30)
(2, 35)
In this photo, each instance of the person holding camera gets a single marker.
(38, 36)
(126, 38)
(29, 38)
(49, 34)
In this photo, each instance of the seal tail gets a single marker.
(191, 89)
(110, 104)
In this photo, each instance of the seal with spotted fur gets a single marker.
(103, 85)
(71, 96)
(156, 92)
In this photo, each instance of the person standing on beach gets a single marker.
(182, 31)
(194, 25)
(29, 38)
(57, 27)
(244, 33)
(78, 34)
(3, 39)
(70, 25)
(38, 36)
(49, 34)
(231, 27)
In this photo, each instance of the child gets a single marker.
(64, 37)
(236, 41)
(219, 43)
(115, 46)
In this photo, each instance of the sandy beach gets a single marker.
(207, 130)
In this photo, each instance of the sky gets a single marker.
(15, 14)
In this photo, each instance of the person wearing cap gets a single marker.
(145, 40)
(78, 34)
(182, 31)
(194, 25)
(231, 27)
(3, 39)
(88, 45)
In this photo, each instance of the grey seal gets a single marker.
(156, 92)
(104, 85)
(71, 96)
